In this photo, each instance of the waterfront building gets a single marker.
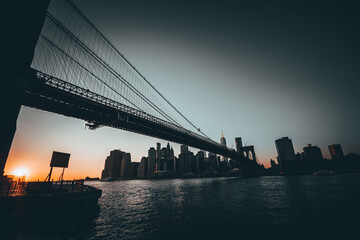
(298, 157)
(163, 159)
(336, 152)
(312, 156)
(181, 164)
(105, 171)
(184, 149)
(170, 158)
(131, 170)
(273, 164)
(302, 156)
(212, 160)
(151, 162)
(185, 160)
(172, 164)
(218, 162)
(125, 164)
(176, 164)
(286, 153)
(158, 147)
(164, 164)
(142, 171)
(200, 161)
(166, 158)
(113, 165)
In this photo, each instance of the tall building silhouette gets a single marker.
(212, 158)
(312, 156)
(200, 161)
(142, 171)
(131, 170)
(151, 162)
(166, 158)
(158, 147)
(273, 164)
(336, 152)
(185, 160)
(286, 153)
(223, 143)
(113, 165)
(125, 165)
(238, 143)
(184, 148)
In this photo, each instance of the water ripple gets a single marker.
(302, 207)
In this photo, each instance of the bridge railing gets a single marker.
(17, 188)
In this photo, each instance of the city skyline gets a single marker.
(261, 99)
(327, 154)
(163, 163)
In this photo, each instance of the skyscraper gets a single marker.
(158, 147)
(185, 160)
(166, 159)
(200, 161)
(131, 170)
(312, 156)
(336, 152)
(238, 143)
(223, 143)
(142, 171)
(151, 162)
(286, 153)
(125, 164)
(212, 162)
(113, 165)
(184, 149)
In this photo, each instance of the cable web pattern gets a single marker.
(70, 48)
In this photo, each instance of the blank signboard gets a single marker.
(60, 159)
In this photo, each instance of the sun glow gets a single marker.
(20, 172)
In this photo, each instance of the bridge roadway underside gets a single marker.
(49, 98)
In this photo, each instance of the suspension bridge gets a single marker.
(58, 61)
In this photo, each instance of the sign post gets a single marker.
(61, 160)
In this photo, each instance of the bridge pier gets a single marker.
(21, 23)
(9, 106)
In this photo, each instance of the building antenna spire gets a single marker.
(222, 134)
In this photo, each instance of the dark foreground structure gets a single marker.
(38, 199)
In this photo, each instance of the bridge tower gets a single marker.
(21, 23)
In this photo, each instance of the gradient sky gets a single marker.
(259, 70)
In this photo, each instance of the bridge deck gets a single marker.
(54, 95)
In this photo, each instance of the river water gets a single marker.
(277, 207)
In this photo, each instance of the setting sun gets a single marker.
(20, 172)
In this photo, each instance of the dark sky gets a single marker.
(302, 56)
(260, 70)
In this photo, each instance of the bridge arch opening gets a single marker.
(250, 156)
